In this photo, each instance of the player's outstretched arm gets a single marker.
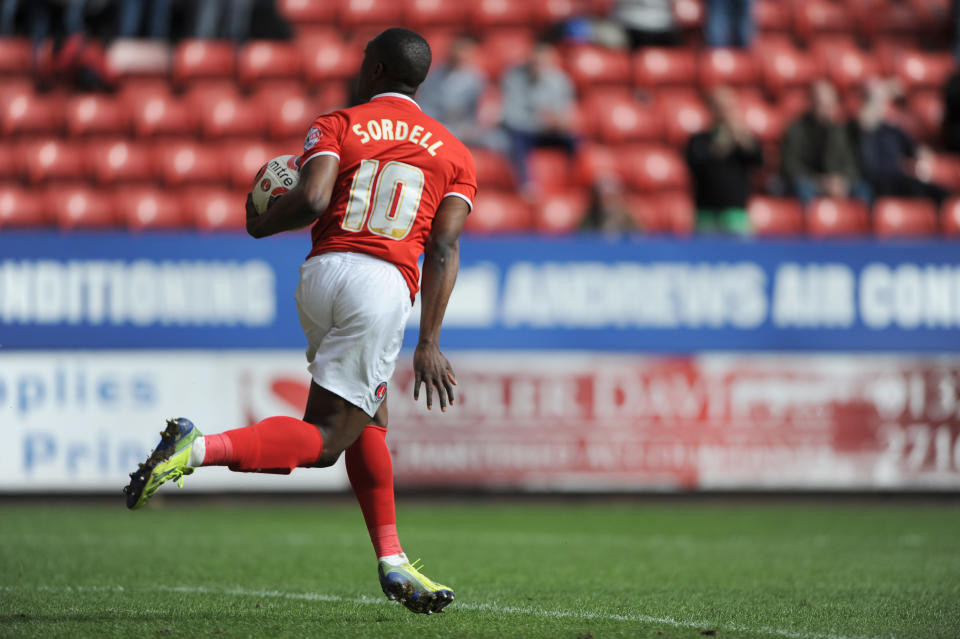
(441, 260)
(302, 205)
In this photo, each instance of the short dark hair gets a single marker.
(405, 55)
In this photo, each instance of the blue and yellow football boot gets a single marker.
(167, 462)
(406, 584)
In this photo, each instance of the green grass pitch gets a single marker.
(183, 568)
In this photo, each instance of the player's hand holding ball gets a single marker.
(276, 177)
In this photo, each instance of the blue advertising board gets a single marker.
(632, 294)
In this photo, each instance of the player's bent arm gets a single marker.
(440, 263)
(303, 204)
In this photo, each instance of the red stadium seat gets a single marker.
(657, 169)
(129, 58)
(370, 13)
(682, 114)
(813, 17)
(112, 161)
(96, 115)
(688, 14)
(494, 170)
(248, 158)
(771, 216)
(195, 60)
(190, 163)
(560, 212)
(597, 163)
(11, 166)
(302, 12)
(329, 59)
(80, 207)
(434, 13)
(923, 70)
(902, 217)
(927, 110)
(658, 67)
(261, 60)
(16, 57)
(28, 113)
(52, 159)
(847, 66)
(550, 12)
(950, 216)
(502, 49)
(828, 217)
(499, 212)
(617, 119)
(148, 208)
(160, 114)
(734, 67)
(945, 171)
(764, 121)
(590, 65)
(786, 68)
(549, 169)
(488, 14)
(231, 116)
(670, 212)
(20, 207)
(215, 209)
(287, 114)
(771, 15)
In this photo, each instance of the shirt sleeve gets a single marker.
(325, 137)
(464, 184)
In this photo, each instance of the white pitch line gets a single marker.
(480, 607)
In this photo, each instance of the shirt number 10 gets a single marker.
(390, 195)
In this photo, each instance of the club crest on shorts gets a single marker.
(381, 391)
(313, 136)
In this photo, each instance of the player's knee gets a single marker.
(328, 457)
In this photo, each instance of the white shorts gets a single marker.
(353, 309)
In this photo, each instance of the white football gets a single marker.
(275, 178)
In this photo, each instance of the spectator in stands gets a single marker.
(729, 23)
(951, 113)
(816, 158)
(130, 19)
(887, 156)
(538, 103)
(720, 161)
(451, 94)
(229, 19)
(608, 211)
(647, 22)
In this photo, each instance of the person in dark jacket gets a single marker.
(816, 158)
(720, 161)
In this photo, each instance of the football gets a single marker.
(275, 178)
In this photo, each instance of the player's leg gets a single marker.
(370, 470)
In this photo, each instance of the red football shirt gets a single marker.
(396, 165)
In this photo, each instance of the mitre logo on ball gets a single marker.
(275, 178)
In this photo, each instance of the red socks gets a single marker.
(275, 445)
(370, 470)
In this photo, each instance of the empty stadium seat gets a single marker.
(328, 59)
(247, 159)
(903, 217)
(80, 207)
(669, 212)
(658, 169)
(158, 113)
(590, 65)
(945, 171)
(617, 119)
(560, 212)
(215, 209)
(735, 67)
(232, 116)
(837, 217)
(148, 208)
(949, 215)
(261, 60)
(195, 60)
(815, 17)
(927, 109)
(549, 169)
(491, 14)
(27, 113)
(688, 14)
(550, 12)
(52, 159)
(189, 162)
(11, 166)
(287, 113)
(597, 163)
(764, 121)
(493, 169)
(785, 68)
(434, 13)
(129, 58)
(772, 216)
(16, 57)
(370, 13)
(772, 15)
(683, 114)
(502, 49)
(655, 67)
(20, 207)
(96, 115)
(921, 69)
(305, 12)
(499, 212)
(119, 160)
(848, 67)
